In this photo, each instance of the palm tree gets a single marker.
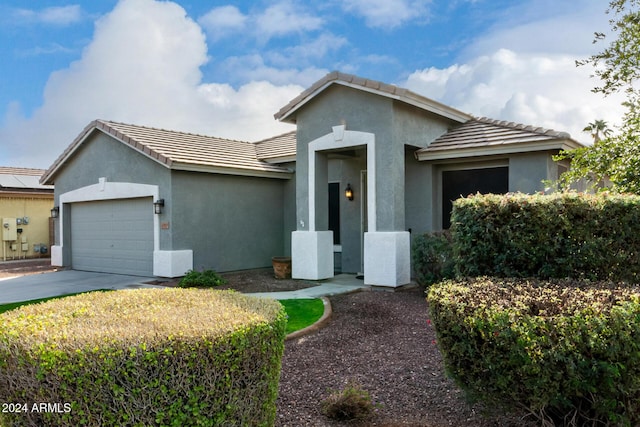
(598, 128)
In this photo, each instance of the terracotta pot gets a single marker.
(281, 267)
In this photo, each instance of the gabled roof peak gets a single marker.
(287, 113)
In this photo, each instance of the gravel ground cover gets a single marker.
(381, 340)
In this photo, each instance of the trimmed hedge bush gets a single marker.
(596, 237)
(432, 256)
(179, 357)
(201, 279)
(564, 350)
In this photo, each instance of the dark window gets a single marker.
(334, 211)
(461, 183)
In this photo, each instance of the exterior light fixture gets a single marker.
(55, 212)
(157, 206)
(348, 192)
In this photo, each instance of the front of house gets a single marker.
(232, 205)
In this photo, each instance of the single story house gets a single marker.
(369, 165)
(25, 208)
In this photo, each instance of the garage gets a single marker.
(113, 236)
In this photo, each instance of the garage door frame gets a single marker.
(165, 263)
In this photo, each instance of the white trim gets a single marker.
(342, 138)
(514, 148)
(312, 255)
(105, 190)
(387, 258)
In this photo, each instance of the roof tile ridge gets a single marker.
(274, 137)
(180, 132)
(520, 126)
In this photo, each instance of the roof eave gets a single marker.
(287, 113)
(452, 153)
(279, 159)
(284, 174)
(99, 126)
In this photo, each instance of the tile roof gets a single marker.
(286, 113)
(180, 150)
(482, 134)
(281, 148)
(12, 178)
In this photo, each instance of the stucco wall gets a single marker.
(419, 191)
(348, 171)
(359, 111)
(37, 208)
(230, 222)
(528, 170)
(102, 156)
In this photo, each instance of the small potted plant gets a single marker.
(281, 267)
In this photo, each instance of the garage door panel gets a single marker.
(114, 236)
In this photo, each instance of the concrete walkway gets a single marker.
(44, 285)
(340, 284)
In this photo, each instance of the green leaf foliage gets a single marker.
(170, 357)
(595, 237)
(432, 256)
(564, 350)
(201, 279)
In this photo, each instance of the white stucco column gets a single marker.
(387, 258)
(312, 255)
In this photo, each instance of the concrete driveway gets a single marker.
(56, 283)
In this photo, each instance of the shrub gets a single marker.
(201, 279)
(144, 357)
(432, 255)
(352, 403)
(564, 350)
(595, 237)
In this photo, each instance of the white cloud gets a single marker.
(541, 90)
(305, 53)
(253, 67)
(285, 18)
(223, 21)
(387, 14)
(60, 16)
(142, 67)
(277, 20)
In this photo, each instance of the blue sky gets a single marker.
(224, 68)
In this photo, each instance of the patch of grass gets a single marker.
(12, 305)
(302, 312)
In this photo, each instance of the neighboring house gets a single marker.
(25, 209)
(231, 205)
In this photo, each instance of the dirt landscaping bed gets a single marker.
(23, 267)
(381, 340)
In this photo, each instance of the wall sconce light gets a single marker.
(55, 212)
(157, 206)
(348, 192)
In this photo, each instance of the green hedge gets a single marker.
(564, 350)
(432, 256)
(595, 237)
(143, 357)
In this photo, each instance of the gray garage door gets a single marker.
(113, 236)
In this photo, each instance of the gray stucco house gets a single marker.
(148, 201)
